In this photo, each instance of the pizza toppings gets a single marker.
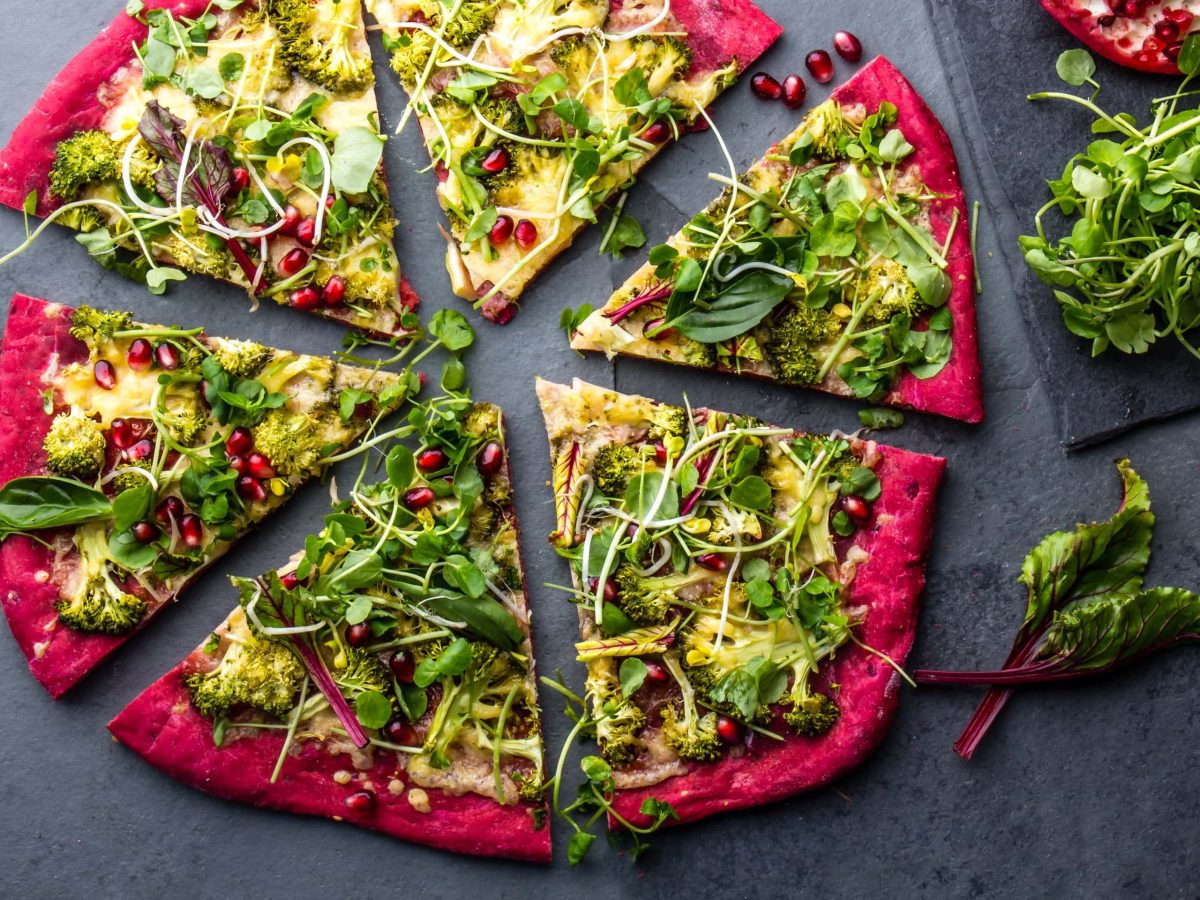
(848, 46)
(820, 66)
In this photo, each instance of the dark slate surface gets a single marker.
(999, 58)
(1089, 791)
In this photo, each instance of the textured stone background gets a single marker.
(1086, 791)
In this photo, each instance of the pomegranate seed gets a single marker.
(122, 434)
(361, 801)
(1106, 21)
(334, 291)
(400, 732)
(765, 87)
(329, 201)
(144, 532)
(495, 162)
(292, 262)
(105, 374)
(359, 634)
(305, 298)
(241, 179)
(848, 46)
(490, 458)
(1172, 51)
(289, 582)
(431, 460)
(403, 667)
(729, 730)
(1133, 8)
(1180, 17)
(1167, 31)
(239, 464)
(660, 452)
(1152, 45)
(169, 510)
(610, 589)
(239, 442)
(167, 356)
(714, 562)
(418, 498)
(140, 451)
(306, 231)
(795, 91)
(655, 672)
(250, 488)
(260, 466)
(191, 529)
(656, 133)
(653, 330)
(526, 234)
(291, 218)
(820, 65)
(140, 354)
(501, 231)
(857, 509)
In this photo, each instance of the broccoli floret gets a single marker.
(291, 440)
(739, 524)
(82, 158)
(242, 359)
(648, 600)
(197, 256)
(74, 446)
(830, 131)
(364, 671)
(686, 731)
(473, 18)
(893, 292)
(619, 720)
(128, 477)
(99, 605)
(410, 54)
(504, 113)
(698, 354)
(185, 418)
(253, 672)
(376, 288)
(94, 326)
(669, 421)
(613, 466)
(82, 218)
(318, 42)
(813, 714)
(790, 339)
(482, 421)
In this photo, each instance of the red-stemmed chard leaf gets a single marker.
(649, 295)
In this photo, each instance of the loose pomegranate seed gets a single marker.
(610, 589)
(656, 133)
(306, 231)
(653, 330)
(795, 91)
(260, 466)
(240, 441)
(526, 234)
(655, 672)
(713, 561)
(501, 231)
(431, 460)
(334, 291)
(361, 801)
(857, 509)
(105, 374)
(495, 162)
(729, 730)
(241, 179)
(292, 262)
(765, 87)
(660, 452)
(144, 532)
(250, 488)
(403, 667)
(820, 65)
(400, 732)
(1133, 8)
(418, 498)
(305, 298)
(848, 46)
(291, 218)
(122, 434)
(167, 356)
(191, 529)
(140, 354)
(490, 458)
(359, 634)
(289, 581)
(140, 450)
(169, 510)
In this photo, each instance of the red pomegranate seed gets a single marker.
(144, 532)
(329, 201)
(1167, 31)
(795, 91)
(239, 464)
(495, 162)
(490, 458)
(357, 635)
(1172, 51)
(656, 133)
(306, 231)
(241, 179)
(334, 291)
(418, 498)
(655, 672)
(660, 452)
(361, 801)
(140, 354)
(1106, 21)
(857, 509)
(765, 87)
(610, 589)
(191, 529)
(1133, 8)
(140, 450)
(403, 667)
(105, 374)
(501, 231)
(653, 329)
(167, 356)
(526, 234)
(260, 466)
(250, 488)
(713, 561)
(431, 460)
(400, 732)
(305, 298)
(240, 441)
(169, 510)
(729, 730)
(1180, 17)
(820, 65)
(291, 218)
(292, 262)
(289, 581)
(848, 46)
(122, 433)
(1152, 45)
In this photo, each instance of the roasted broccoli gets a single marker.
(318, 41)
(889, 290)
(242, 359)
(830, 131)
(695, 353)
(129, 475)
(410, 54)
(253, 672)
(84, 157)
(195, 255)
(94, 326)
(482, 421)
(74, 446)
(648, 600)
(790, 340)
(619, 720)
(376, 288)
(812, 713)
(98, 605)
(473, 18)
(612, 467)
(688, 732)
(291, 440)
(82, 218)
(363, 671)
(669, 421)
(184, 418)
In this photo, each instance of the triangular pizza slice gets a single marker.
(231, 140)
(385, 676)
(538, 114)
(766, 580)
(841, 260)
(132, 456)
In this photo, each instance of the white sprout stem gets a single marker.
(105, 204)
(262, 186)
(252, 615)
(143, 472)
(733, 567)
(326, 165)
(643, 28)
(419, 87)
(496, 129)
(128, 181)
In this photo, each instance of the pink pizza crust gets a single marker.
(721, 30)
(888, 584)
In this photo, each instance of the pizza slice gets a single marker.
(230, 140)
(841, 260)
(132, 456)
(385, 677)
(537, 114)
(766, 581)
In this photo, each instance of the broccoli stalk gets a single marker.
(648, 600)
(694, 736)
(259, 673)
(98, 605)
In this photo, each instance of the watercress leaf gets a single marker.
(463, 574)
(45, 501)
(643, 492)
(614, 621)
(861, 482)
(1090, 185)
(452, 328)
(481, 224)
(1075, 66)
(231, 66)
(579, 845)
(625, 234)
(454, 375)
(401, 466)
(204, 82)
(1189, 55)
(752, 492)
(373, 709)
(360, 568)
(633, 675)
(358, 609)
(829, 237)
(841, 524)
(1132, 332)
(127, 551)
(356, 154)
(158, 277)
(688, 477)
(894, 147)
(662, 253)
(576, 115)
(132, 506)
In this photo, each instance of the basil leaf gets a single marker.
(44, 501)
(132, 506)
(127, 551)
(485, 619)
(737, 309)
